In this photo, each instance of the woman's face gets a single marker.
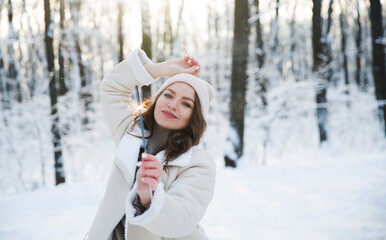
(174, 106)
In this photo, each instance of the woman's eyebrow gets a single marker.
(187, 98)
(171, 90)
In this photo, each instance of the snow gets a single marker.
(327, 200)
(285, 186)
(318, 199)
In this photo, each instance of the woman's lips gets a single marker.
(168, 114)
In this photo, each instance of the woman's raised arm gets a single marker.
(116, 90)
(118, 85)
(171, 67)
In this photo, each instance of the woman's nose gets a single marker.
(172, 104)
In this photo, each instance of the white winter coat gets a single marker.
(182, 196)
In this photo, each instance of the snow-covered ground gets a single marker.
(325, 198)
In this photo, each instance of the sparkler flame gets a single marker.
(136, 109)
(140, 108)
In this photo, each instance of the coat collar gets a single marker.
(128, 151)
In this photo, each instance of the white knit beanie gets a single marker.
(203, 89)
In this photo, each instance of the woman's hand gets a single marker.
(171, 67)
(184, 65)
(149, 172)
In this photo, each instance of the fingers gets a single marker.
(149, 162)
(147, 180)
(191, 61)
(148, 157)
(193, 65)
(193, 70)
(148, 176)
(150, 171)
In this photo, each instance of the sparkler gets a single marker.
(144, 143)
(140, 110)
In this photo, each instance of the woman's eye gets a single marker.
(186, 104)
(168, 95)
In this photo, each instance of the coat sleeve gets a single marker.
(177, 212)
(116, 89)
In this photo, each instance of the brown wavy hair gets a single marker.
(179, 141)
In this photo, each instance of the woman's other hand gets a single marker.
(149, 172)
(187, 64)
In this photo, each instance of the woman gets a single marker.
(180, 174)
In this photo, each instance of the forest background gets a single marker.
(294, 80)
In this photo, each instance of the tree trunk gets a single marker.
(121, 56)
(168, 31)
(343, 29)
(275, 29)
(56, 138)
(260, 78)
(293, 42)
(260, 55)
(326, 43)
(176, 37)
(62, 84)
(85, 91)
(321, 100)
(146, 40)
(378, 57)
(12, 81)
(2, 82)
(358, 43)
(33, 56)
(2, 75)
(239, 83)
